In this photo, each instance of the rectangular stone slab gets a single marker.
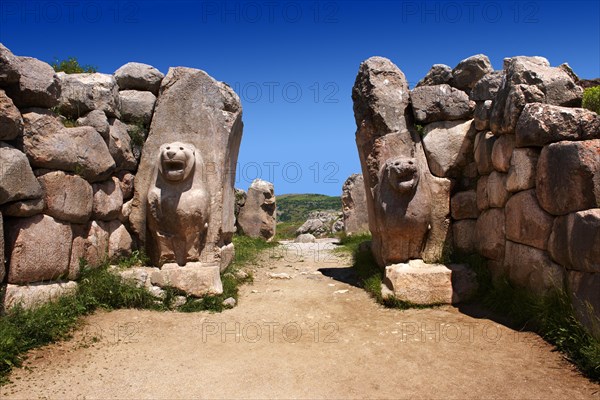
(420, 283)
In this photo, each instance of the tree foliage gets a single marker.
(71, 66)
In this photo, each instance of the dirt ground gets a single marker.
(315, 335)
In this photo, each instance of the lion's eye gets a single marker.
(181, 148)
(168, 148)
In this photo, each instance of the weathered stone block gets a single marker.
(526, 222)
(420, 283)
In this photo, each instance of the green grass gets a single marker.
(551, 316)
(100, 288)
(296, 207)
(591, 99)
(287, 230)
(71, 66)
(370, 276)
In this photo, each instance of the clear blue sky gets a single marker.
(293, 63)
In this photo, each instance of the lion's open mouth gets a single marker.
(174, 165)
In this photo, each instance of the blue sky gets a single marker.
(293, 63)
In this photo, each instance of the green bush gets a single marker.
(591, 99)
(72, 66)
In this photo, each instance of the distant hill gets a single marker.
(296, 207)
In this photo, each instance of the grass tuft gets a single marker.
(100, 288)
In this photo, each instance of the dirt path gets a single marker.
(311, 336)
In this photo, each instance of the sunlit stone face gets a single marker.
(176, 161)
(402, 174)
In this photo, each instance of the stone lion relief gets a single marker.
(178, 206)
(405, 204)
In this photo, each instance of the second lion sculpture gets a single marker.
(178, 206)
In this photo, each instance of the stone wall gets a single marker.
(70, 148)
(523, 160)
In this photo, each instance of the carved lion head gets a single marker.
(176, 161)
(402, 173)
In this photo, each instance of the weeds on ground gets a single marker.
(370, 276)
(101, 288)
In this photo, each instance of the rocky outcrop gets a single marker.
(36, 86)
(17, 181)
(448, 146)
(137, 106)
(11, 122)
(541, 124)
(409, 208)
(67, 197)
(354, 205)
(39, 248)
(568, 176)
(48, 144)
(530, 80)
(440, 103)
(437, 75)
(322, 223)
(257, 218)
(469, 71)
(138, 76)
(82, 93)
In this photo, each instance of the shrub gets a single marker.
(591, 99)
(72, 66)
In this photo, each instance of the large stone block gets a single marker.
(48, 144)
(96, 119)
(526, 222)
(486, 88)
(196, 279)
(17, 181)
(440, 103)
(496, 190)
(82, 93)
(541, 124)
(409, 208)
(481, 115)
(575, 241)
(438, 74)
(11, 122)
(490, 232)
(464, 235)
(470, 70)
(39, 249)
(568, 176)
(483, 202)
(184, 184)
(502, 152)
(419, 283)
(67, 197)
(530, 80)
(522, 171)
(37, 86)
(138, 76)
(483, 148)
(354, 205)
(32, 296)
(9, 72)
(532, 268)
(24, 208)
(137, 106)
(119, 146)
(108, 200)
(464, 205)
(448, 145)
(257, 218)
